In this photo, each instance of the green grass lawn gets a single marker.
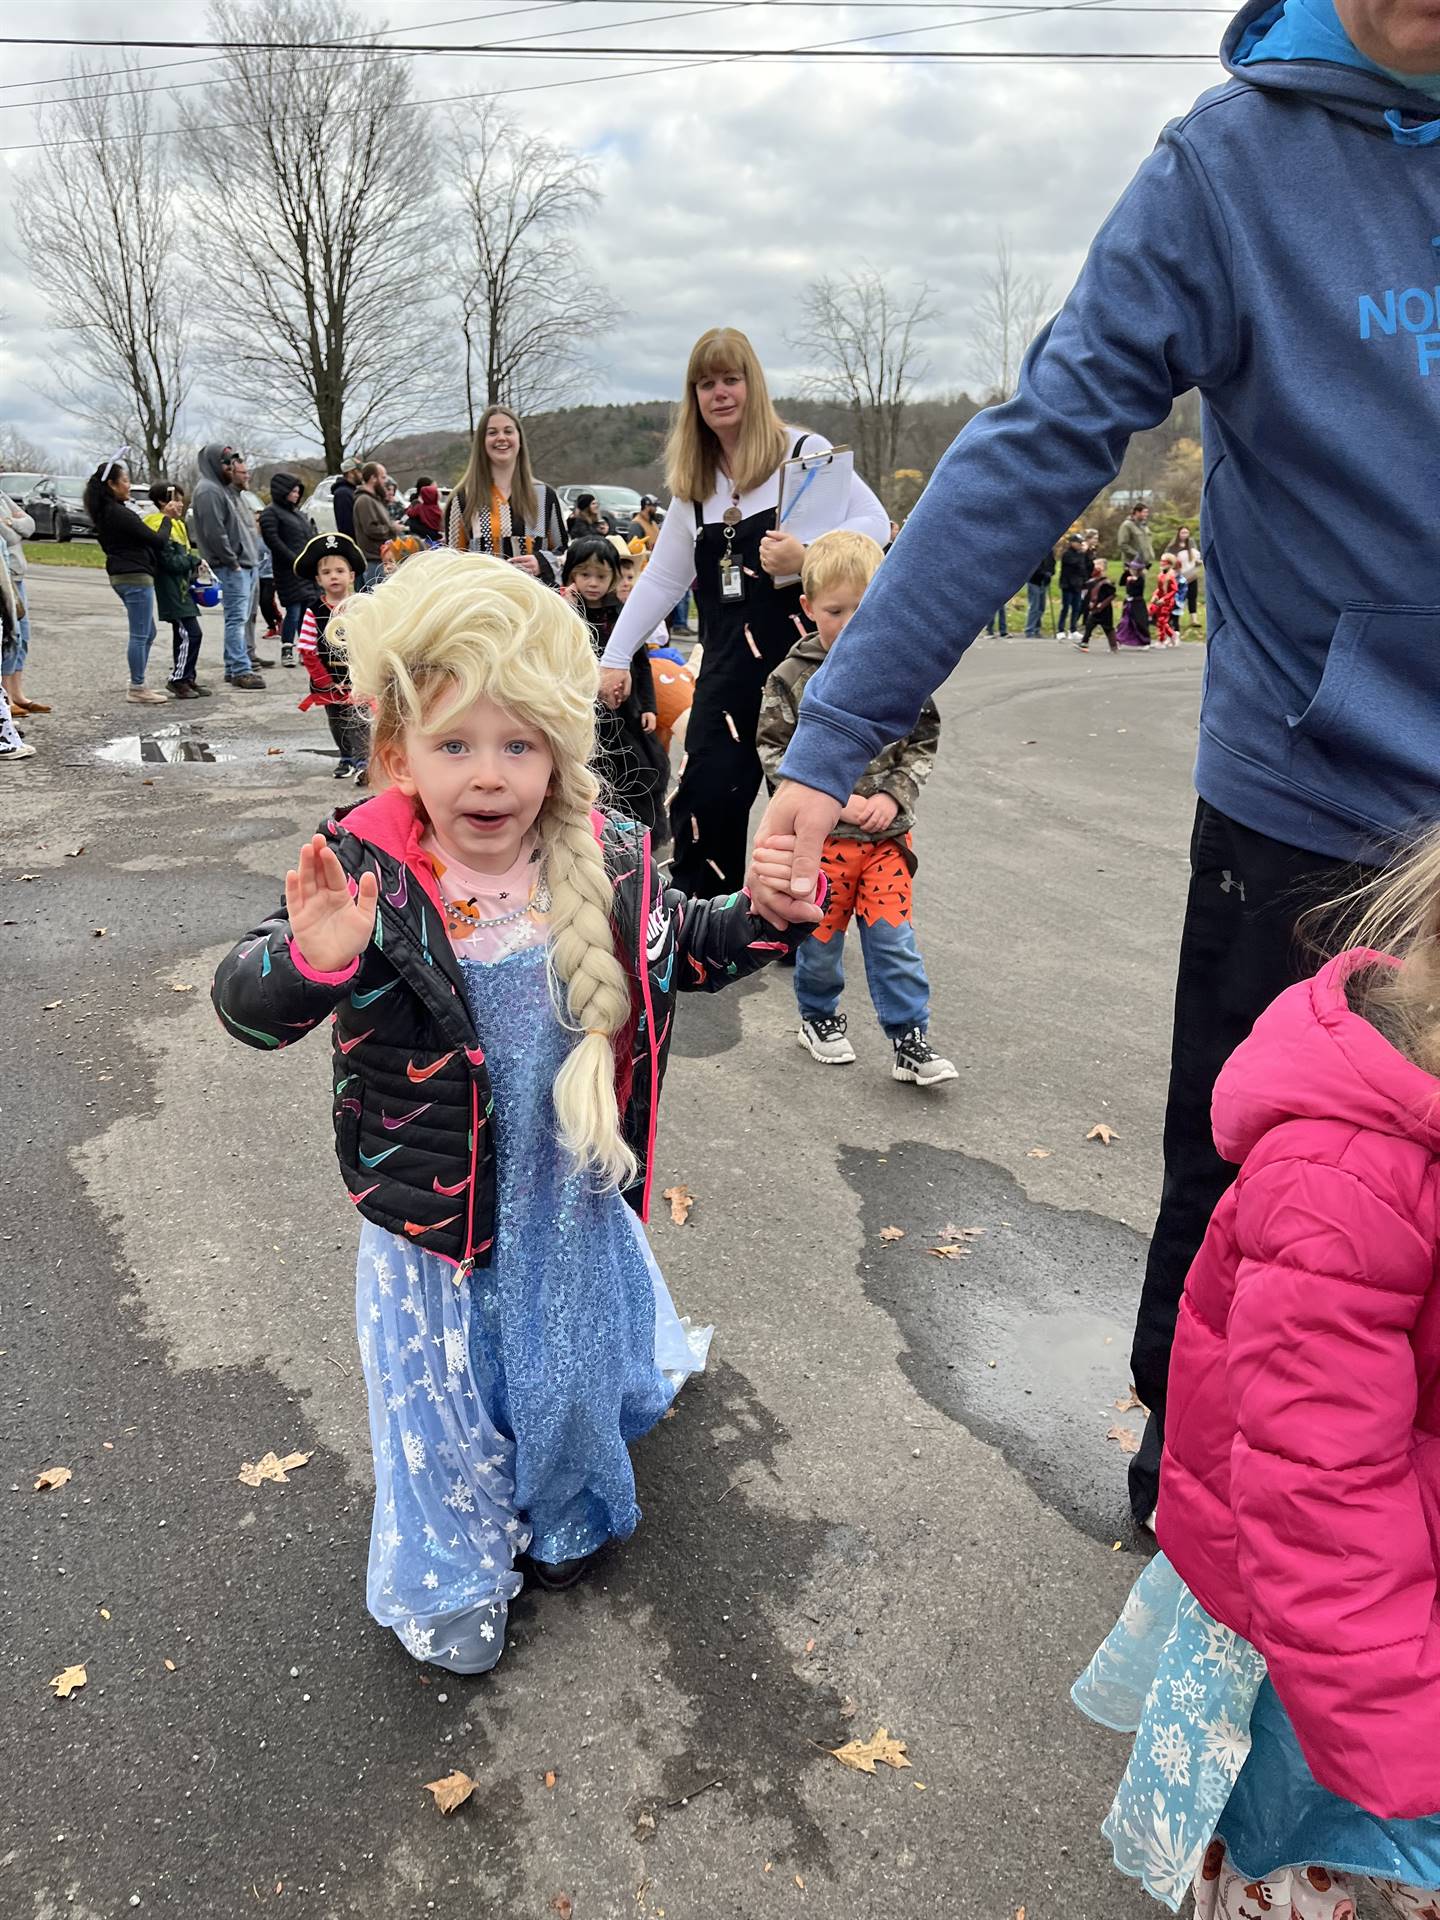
(65, 553)
(1015, 607)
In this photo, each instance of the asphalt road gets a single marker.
(890, 1502)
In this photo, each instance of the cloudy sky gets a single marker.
(729, 186)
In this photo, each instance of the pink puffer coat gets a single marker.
(1300, 1491)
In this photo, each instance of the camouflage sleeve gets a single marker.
(779, 713)
(914, 757)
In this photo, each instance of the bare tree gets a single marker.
(1009, 313)
(97, 217)
(20, 454)
(863, 343)
(528, 309)
(319, 228)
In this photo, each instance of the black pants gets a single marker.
(1105, 620)
(710, 814)
(187, 634)
(1239, 948)
(350, 731)
(268, 604)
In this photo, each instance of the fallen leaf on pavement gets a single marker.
(29, 876)
(1019, 1913)
(563, 1905)
(451, 1792)
(800, 1883)
(550, 1782)
(51, 1005)
(951, 1232)
(181, 986)
(681, 1201)
(75, 852)
(861, 1755)
(270, 750)
(1125, 1438)
(272, 1467)
(104, 1613)
(1132, 1399)
(100, 932)
(1102, 1133)
(65, 1683)
(1038, 1153)
(951, 1251)
(53, 1477)
(892, 1233)
(809, 1646)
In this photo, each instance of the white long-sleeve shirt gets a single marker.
(17, 527)
(672, 564)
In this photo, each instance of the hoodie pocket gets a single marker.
(1370, 738)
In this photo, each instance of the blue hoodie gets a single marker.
(1279, 251)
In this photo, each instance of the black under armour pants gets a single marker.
(1239, 948)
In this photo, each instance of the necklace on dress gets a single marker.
(538, 902)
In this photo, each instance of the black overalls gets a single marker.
(744, 641)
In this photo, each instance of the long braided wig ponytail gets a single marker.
(443, 631)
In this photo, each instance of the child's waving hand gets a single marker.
(331, 926)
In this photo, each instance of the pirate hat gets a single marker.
(314, 551)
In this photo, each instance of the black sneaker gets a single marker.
(247, 682)
(287, 656)
(257, 661)
(183, 690)
(917, 1061)
(345, 770)
(556, 1575)
(824, 1039)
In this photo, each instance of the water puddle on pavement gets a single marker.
(1024, 1340)
(182, 744)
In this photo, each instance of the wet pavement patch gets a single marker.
(1023, 1335)
(188, 742)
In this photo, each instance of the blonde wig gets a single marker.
(475, 486)
(840, 559)
(446, 630)
(692, 453)
(1395, 912)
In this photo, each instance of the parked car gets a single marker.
(620, 503)
(56, 503)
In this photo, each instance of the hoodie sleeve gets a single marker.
(1332, 1539)
(1150, 317)
(212, 527)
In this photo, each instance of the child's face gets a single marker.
(833, 609)
(593, 582)
(623, 585)
(481, 780)
(334, 578)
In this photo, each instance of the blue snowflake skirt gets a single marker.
(1184, 1686)
(502, 1410)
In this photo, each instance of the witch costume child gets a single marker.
(500, 963)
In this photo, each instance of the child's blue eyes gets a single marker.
(514, 747)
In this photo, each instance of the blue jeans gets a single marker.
(1035, 598)
(237, 588)
(997, 624)
(1072, 610)
(12, 659)
(894, 973)
(681, 616)
(294, 614)
(373, 575)
(140, 610)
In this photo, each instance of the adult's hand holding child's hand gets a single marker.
(771, 864)
(796, 820)
(331, 927)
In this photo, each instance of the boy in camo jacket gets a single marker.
(869, 862)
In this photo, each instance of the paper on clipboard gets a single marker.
(814, 494)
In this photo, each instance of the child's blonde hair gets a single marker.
(446, 630)
(1398, 913)
(840, 559)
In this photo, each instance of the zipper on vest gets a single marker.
(467, 1265)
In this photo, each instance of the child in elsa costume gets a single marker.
(500, 962)
(1279, 1660)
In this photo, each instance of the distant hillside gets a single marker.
(624, 445)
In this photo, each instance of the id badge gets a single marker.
(732, 580)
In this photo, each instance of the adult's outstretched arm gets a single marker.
(1151, 316)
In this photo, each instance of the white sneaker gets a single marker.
(22, 750)
(917, 1061)
(824, 1039)
(146, 696)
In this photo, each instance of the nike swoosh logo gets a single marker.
(417, 1226)
(405, 1118)
(402, 893)
(349, 1046)
(449, 1192)
(364, 999)
(356, 1198)
(412, 1072)
(372, 1160)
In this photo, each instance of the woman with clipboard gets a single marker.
(729, 461)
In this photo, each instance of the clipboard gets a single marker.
(814, 496)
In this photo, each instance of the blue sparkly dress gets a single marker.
(502, 1410)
